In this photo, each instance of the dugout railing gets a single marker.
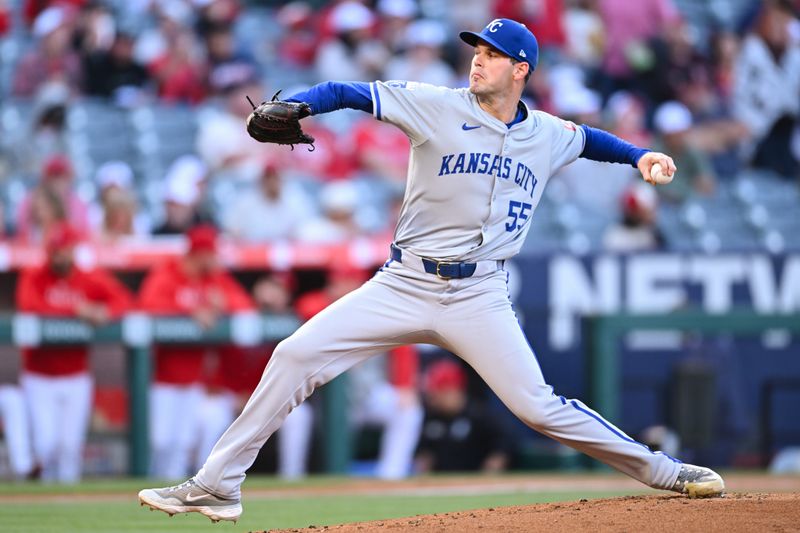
(138, 333)
(603, 362)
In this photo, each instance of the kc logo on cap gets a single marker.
(493, 25)
(509, 37)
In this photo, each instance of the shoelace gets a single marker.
(691, 474)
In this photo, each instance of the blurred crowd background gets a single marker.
(122, 124)
(131, 113)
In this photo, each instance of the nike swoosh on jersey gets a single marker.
(467, 128)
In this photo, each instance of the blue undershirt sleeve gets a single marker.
(603, 146)
(332, 95)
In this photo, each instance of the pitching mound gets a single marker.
(740, 512)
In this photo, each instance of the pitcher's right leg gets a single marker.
(365, 322)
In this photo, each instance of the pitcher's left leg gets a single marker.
(483, 330)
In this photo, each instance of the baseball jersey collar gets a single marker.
(495, 122)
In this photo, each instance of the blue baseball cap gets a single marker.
(508, 36)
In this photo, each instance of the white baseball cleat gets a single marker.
(699, 482)
(188, 497)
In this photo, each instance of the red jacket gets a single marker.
(41, 291)
(239, 370)
(169, 290)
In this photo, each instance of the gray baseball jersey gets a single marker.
(473, 185)
(473, 182)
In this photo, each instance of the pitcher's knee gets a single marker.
(535, 420)
(289, 348)
(537, 413)
(298, 351)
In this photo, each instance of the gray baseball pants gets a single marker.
(471, 317)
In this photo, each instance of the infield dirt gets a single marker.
(734, 513)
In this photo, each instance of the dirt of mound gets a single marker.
(734, 513)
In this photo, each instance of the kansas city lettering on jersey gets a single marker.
(495, 165)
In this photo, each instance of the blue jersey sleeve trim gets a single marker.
(332, 95)
(600, 145)
(376, 99)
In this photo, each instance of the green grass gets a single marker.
(133, 485)
(117, 508)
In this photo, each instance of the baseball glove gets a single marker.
(278, 122)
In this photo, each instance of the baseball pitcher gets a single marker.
(479, 162)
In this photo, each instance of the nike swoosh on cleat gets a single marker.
(467, 128)
(189, 498)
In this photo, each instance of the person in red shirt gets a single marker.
(55, 379)
(193, 285)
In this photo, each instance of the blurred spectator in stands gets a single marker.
(637, 231)
(395, 18)
(338, 223)
(724, 53)
(331, 159)
(422, 59)
(581, 105)
(572, 100)
(52, 199)
(51, 59)
(5, 17)
(457, 433)
(352, 54)
(56, 379)
(273, 211)
(272, 292)
(673, 124)
(183, 196)
(193, 285)
(119, 214)
(114, 73)
(676, 65)
(45, 210)
(227, 67)
(214, 15)
(629, 27)
(31, 9)
(381, 151)
(224, 145)
(297, 46)
(626, 118)
(170, 18)
(542, 17)
(382, 391)
(767, 90)
(46, 135)
(94, 28)
(116, 214)
(179, 72)
(585, 34)
(466, 14)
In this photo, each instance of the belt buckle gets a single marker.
(439, 264)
